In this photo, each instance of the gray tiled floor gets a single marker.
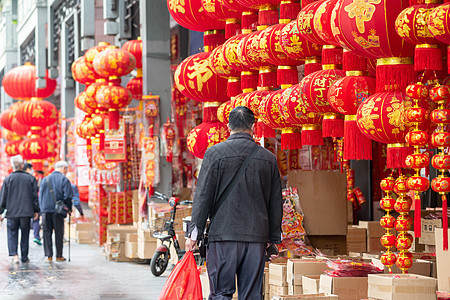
(88, 276)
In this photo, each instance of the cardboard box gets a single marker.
(131, 249)
(349, 288)
(85, 237)
(428, 229)
(401, 287)
(266, 281)
(121, 230)
(372, 255)
(416, 245)
(277, 274)
(276, 290)
(144, 234)
(419, 267)
(374, 232)
(323, 196)
(319, 296)
(329, 245)
(297, 268)
(442, 262)
(146, 249)
(311, 284)
(132, 238)
(294, 289)
(356, 239)
(205, 286)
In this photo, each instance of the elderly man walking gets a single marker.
(54, 188)
(19, 196)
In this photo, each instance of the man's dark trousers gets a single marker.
(51, 222)
(13, 225)
(246, 260)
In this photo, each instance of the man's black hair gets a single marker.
(27, 166)
(241, 119)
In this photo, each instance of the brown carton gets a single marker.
(356, 239)
(329, 244)
(277, 274)
(323, 196)
(297, 268)
(146, 249)
(401, 287)
(419, 267)
(294, 289)
(349, 288)
(374, 233)
(276, 290)
(311, 284)
(320, 296)
(131, 249)
(442, 262)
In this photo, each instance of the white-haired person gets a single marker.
(19, 197)
(62, 192)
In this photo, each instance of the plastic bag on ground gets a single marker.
(184, 281)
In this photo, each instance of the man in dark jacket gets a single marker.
(19, 196)
(62, 191)
(247, 220)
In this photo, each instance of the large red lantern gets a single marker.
(345, 96)
(12, 147)
(20, 83)
(195, 79)
(439, 25)
(135, 48)
(221, 68)
(82, 73)
(113, 97)
(206, 135)
(295, 113)
(382, 117)
(249, 17)
(6, 119)
(305, 23)
(19, 128)
(411, 25)
(37, 112)
(114, 62)
(216, 10)
(135, 86)
(35, 149)
(85, 103)
(92, 52)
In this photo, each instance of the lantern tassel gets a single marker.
(427, 58)
(333, 127)
(331, 55)
(249, 20)
(232, 28)
(291, 139)
(312, 137)
(114, 117)
(263, 130)
(313, 66)
(356, 144)
(448, 60)
(233, 87)
(287, 75)
(268, 16)
(289, 10)
(417, 216)
(267, 77)
(353, 62)
(396, 155)
(213, 40)
(445, 221)
(249, 80)
(210, 112)
(391, 78)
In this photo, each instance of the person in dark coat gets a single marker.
(19, 197)
(28, 167)
(247, 221)
(62, 191)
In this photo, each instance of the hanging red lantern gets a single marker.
(20, 83)
(19, 128)
(113, 97)
(382, 117)
(206, 135)
(37, 112)
(90, 54)
(268, 10)
(92, 89)
(114, 62)
(223, 113)
(85, 103)
(216, 10)
(221, 68)
(345, 96)
(439, 26)
(135, 86)
(82, 73)
(305, 23)
(249, 17)
(12, 147)
(36, 149)
(135, 48)
(295, 113)
(6, 118)
(195, 79)
(411, 25)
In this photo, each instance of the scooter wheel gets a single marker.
(159, 263)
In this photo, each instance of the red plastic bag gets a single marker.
(184, 281)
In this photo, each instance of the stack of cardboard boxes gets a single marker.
(83, 232)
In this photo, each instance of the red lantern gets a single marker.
(19, 128)
(135, 48)
(418, 183)
(388, 240)
(135, 86)
(93, 88)
(92, 52)
(195, 79)
(441, 184)
(35, 150)
(206, 135)
(216, 10)
(37, 112)
(388, 258)
(441, 162)
(6, 119)
(223, 113)
(404, 241)
(113, 97)
(221, 68)
(305, 23)
(411, 25)
(85, 103)
(82, 73)
(12, 147)
(20, 83)
(251, 100)
(404, 261)
(387, 221)
(114, 62)
(403, 223)
(440, 139)
(382, 117)
(439, 26)
(417, 161)
(387, 203)
(268, 11)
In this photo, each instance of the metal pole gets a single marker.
(41, 20)
(155, 33)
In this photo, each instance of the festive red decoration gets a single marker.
(113, 97)
(417, 161)
(12, 147)
(191, 15)
(295, 45)
(388, 240)
(114, 62)
(82, 73)
(135, 86)
(387, 221)
(20, 83)
(215, 9)
(403, 223)
(206, 135)
(19, 128)
(6, 118)
(404, 241)
(37, 112)
(196, 80)
(135, 48)
(221, 68)
(223, 112)
(90, 54)
(305, 23)
(36, 149)
(439, 26)
(85, 103)
(268, 10)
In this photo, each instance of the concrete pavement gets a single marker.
(88, 276)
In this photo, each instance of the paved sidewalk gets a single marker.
(88, 276)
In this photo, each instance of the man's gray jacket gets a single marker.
(253, 210)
